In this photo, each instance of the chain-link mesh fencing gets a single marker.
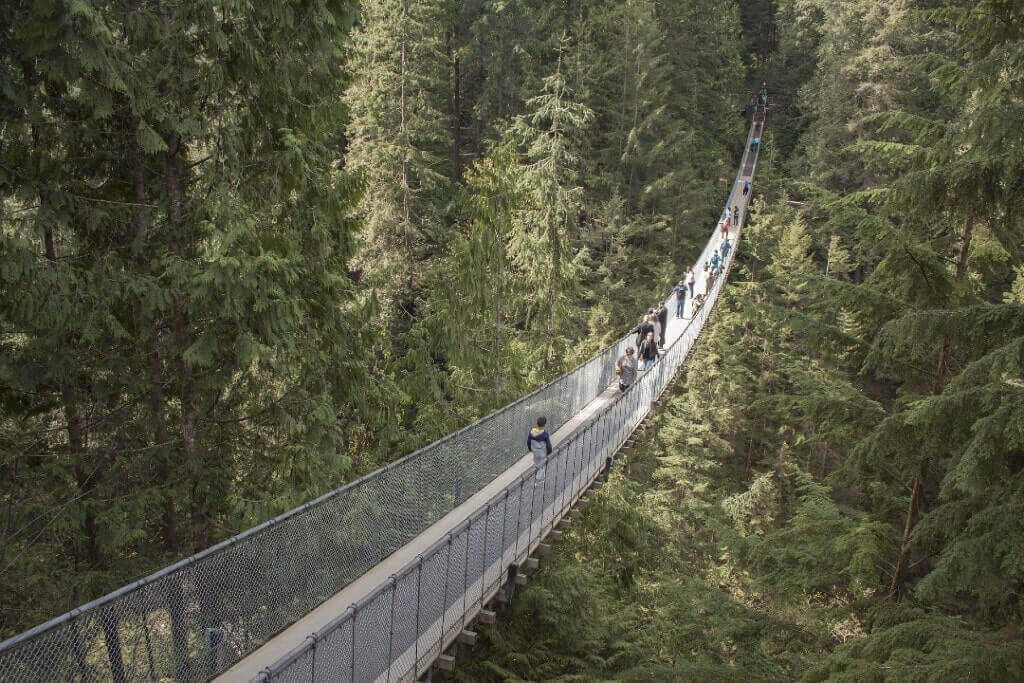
(194, 619)
(460, 573)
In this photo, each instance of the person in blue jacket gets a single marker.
(539, 443)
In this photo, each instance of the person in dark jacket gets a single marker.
(648, 351)
(663, 319)
(680, 292)
(646, 326)
(539, 443)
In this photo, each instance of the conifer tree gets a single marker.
(488, 307)
(541, 248)
(174, 297)
(398, 143)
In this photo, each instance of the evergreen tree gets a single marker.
(541, 247)
(175, 305)
(398, 143)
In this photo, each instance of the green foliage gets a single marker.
(177, 326)
(195, 334)
(913, 645)
(846, 460)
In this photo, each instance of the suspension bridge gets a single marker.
(375, 581)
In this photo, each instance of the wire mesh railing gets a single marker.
(399, 629)
(194, 619)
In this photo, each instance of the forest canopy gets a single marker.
(249, 253)
(252, 251)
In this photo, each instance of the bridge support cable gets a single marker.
(230, 607)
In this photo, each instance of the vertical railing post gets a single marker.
(312, 658)
(444, 598)
(483, 557)
(391, 625)
(416, 642)
(465, 574)
(504, 523)
(519, 516)
(355, 612)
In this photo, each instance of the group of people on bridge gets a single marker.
(651, 333)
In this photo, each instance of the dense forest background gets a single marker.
(252, 251)
(835, 489)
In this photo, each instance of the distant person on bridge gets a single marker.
(680, 292)
(539, 443)
(725, 224)
(691, 280)
(726, 248)
(735, 215)
(663, 319)
(746, 187)
(625, 368)
(755, 143)
(648, 351)
(656, 321)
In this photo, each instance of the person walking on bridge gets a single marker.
(625, 368)
(648, 351)
(663, 319)
(691, 280)
(641, 330)
(746, 187)
(539, 443)
(680, 292)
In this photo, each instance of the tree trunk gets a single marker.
(965, 246)
(406, 208)
(897, 588)
(201, 522)
(154, 365)
(556, 270)
(456, 110)
(499, 314)
(89, 551)
(631, 161)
